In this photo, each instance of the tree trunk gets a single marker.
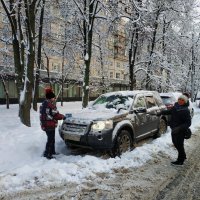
(26, 98)
(63, 78)
(38, 66)
(26, 94)
(85, 97)
(103, 89)
(133, 51)
(160, 89)
(90, 9)
(192, 70)
(149, 71)
(24, 112)
(132, 58)
(23, 30)
(6, 92)
(48, 73)
(131, 65)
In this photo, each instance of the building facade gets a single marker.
(110, 76)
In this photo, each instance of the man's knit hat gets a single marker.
(184, 97)
(49, 93)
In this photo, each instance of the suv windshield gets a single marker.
(114, 101)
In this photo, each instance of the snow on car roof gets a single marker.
(127, 92)
(171, 94)
(177, 94)
(166, 94)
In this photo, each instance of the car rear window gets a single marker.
(168, 100)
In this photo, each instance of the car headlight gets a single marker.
(101, 125)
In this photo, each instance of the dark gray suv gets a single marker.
(115, 121)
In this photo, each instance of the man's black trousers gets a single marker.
(50, 145)
(178, 141)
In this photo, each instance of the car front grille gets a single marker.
(79, 129)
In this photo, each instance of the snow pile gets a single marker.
(22, 165)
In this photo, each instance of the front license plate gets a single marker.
(72, 137)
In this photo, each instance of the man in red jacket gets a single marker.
(49, 117)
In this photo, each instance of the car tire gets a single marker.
(70, 146)
(161, 129)
(123, 143)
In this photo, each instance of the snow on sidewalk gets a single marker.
(22, 166)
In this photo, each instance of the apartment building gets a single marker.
(112, 75)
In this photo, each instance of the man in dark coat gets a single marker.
(49, 117)
(179, 122)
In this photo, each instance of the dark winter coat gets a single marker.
(180, 117)
(49, 116)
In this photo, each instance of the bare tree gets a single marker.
(22, 18)
(6, 91)
(39, 57)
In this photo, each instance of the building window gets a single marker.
(56, 67)
(5, 31)
(111, 75)
(42, 65)
(111, 65)
(118, 65)
(5, 19)
(117, 75)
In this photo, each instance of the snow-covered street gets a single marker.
(22, 167)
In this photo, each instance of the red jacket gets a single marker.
(49, 115)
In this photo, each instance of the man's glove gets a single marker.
(64, 118)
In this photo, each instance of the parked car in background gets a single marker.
(197, 100)
(115, 121)
(170, 98)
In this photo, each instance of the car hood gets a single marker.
(88, 115)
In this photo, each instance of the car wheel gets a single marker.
(70, 146)
(124, 142)
(161, 129)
